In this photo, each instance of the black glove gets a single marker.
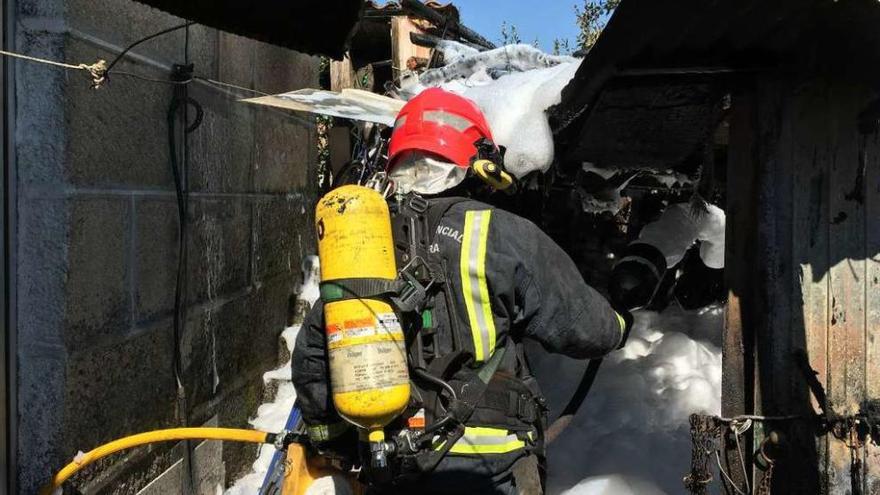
(337, 442)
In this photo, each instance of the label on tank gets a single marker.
(368, 366)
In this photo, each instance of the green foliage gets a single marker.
(561, 46)
(591, 19)
(509, 34)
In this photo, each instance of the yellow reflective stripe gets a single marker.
(620, 321)
(483, 440)
(475, 289)
(484, 287)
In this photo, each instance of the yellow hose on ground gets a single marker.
(171, 434)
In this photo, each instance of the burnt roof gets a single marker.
(319, 27)
(393, 8)
(656, 76)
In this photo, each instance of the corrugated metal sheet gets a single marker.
(320, 27)
(680, 38)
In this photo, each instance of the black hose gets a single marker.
(424, 375)
(575, 402)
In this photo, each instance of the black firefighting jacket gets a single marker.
(505, 281)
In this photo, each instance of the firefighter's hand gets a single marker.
(340, 446)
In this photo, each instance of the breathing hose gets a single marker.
(171, 434)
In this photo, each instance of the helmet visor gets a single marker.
(417, 172)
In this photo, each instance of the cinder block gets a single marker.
(207, 469)
(278, 70)
(282, 235)
(219, 247)
(205, 334)
(155, 257)
(235, 64)
(41, 270)
(39, 8)
(285, 149)
(97, 297)
(117, 136)
(239, 406)
(221, 148)
(249, 329)
(122, 22)
(116, 390)
(203, 50)
(41, 130)
(40, 395)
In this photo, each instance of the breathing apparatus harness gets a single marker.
(454, 391)
(457, 392)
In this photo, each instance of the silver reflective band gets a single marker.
(441, 117)
(475, 289)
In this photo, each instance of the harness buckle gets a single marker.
(413, 296)
(527, 409)
(418, 204)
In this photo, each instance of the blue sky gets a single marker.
(541, 19)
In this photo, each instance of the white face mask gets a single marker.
(417, 172)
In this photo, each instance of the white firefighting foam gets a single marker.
(680, 226)
(513, 85)
(631, 436)
(272, 416)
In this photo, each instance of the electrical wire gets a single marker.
(727, 476)
(127, 49)
(179, 155)
(150, 79)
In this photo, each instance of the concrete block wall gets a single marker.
(95, 236)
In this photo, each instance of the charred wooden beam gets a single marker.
(421, 10)
(430, 41)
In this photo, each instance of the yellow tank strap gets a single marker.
(475, 290)
(479, 440)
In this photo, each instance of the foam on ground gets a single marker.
(272, 416)
(632, 436)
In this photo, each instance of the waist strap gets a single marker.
(480, 440)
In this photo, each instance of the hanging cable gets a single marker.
(179, 155)
(127, 49)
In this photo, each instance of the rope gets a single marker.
(100, 70)
(97, 70)
(227, 85)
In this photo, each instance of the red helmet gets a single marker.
(441, 123)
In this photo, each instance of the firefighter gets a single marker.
(487, 280)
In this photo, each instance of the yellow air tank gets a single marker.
(365, 342)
